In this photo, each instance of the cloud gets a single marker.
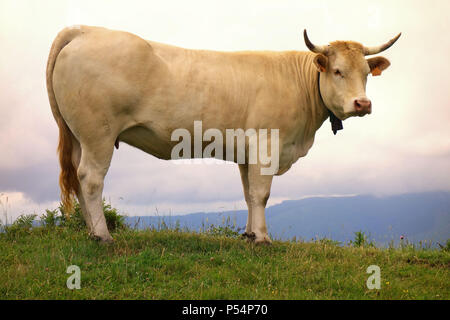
(403, 146)
(13, 204)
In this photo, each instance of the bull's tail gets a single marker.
(68, 179)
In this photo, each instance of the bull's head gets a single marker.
(343, 74)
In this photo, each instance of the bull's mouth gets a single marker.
(357, 114)
(351, 114)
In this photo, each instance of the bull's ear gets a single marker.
(378, 64)
(321, 62)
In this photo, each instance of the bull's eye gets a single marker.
(337, 72)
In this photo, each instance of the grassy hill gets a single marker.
(419, 217)
(172, 264)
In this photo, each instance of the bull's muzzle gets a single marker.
(363, 106)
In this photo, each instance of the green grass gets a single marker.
(170, 264)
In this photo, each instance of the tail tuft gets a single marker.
(68, 179)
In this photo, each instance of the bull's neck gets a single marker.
(310, 100)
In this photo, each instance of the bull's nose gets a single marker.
(363, 106)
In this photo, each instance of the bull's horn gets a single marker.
(378, 49)
(312, 47)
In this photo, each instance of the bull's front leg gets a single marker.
(258, 193)
(243, 170)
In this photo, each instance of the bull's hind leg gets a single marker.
(94, 164)
(76, 158)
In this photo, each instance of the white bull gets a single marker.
(107, 86)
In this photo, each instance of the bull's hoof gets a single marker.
(265, 241)
(249, 236)
(105, 239)
(262, 240)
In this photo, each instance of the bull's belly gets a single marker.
(160, 145)
(146, 140)
(290, 152)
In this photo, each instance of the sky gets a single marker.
(403, 146)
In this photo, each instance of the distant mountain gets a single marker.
(416, 216)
